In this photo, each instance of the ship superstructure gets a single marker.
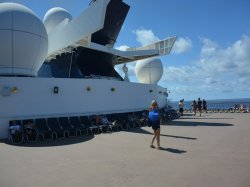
(66, 66)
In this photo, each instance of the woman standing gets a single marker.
(154, 120)
(194, 107)
(181, 107)
(199, 105)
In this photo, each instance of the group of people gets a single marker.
(241, 108)
(153, 117)
(199, 106)
(15, 128)
(18, 131)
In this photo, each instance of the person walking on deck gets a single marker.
(199, 105)
(154, 120)
(181, 107)
(204, 105)
(194, 107)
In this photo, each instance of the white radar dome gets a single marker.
(149, 71)
(23, 41)
(55, 16)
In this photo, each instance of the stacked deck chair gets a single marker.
(75, 122)
(132, 120)
(56, 128)
(141, 118)
(88, 124)
(144, 118)
(29, 131)
(42, 130)
(171, 114)
(95, 121)
(166, 115)
(116, 125)
(122, 120)
(15, 132)
(67, 127)
(103, 126)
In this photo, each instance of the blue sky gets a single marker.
(211, 57)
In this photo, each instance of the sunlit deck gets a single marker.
(211, 150)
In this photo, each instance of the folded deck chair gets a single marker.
(87, 123)
(102, 123)
(123, 120)
(42, 130)
(15, 132)
(140, 118)
(133, 120)
(57, 130)
(75, 122)
(116, 125)
(29, 131)
(67, 127)
(144, 118)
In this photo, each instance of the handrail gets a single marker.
(91, 2)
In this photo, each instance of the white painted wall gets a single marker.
(35, 98)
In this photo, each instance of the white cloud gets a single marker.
(184, 74)
(145, 37)
(122, 47)
(218, 70)
(234, 59)
(209, 47)
(210, 81)
(182, 45)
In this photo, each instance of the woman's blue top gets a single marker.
(153, 116)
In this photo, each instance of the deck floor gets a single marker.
(208, 151)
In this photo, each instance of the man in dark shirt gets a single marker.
(199, 105)
(204, 105)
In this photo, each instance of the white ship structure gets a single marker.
(65, 67)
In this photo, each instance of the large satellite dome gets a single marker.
(23, 41)
(149, 71)
(55, 16)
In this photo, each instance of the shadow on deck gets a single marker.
(142, 131)
(51, 143)
(192, 123)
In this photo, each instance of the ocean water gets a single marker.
(216, 104)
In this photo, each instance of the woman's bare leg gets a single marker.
(158, 137)
(152, 142)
